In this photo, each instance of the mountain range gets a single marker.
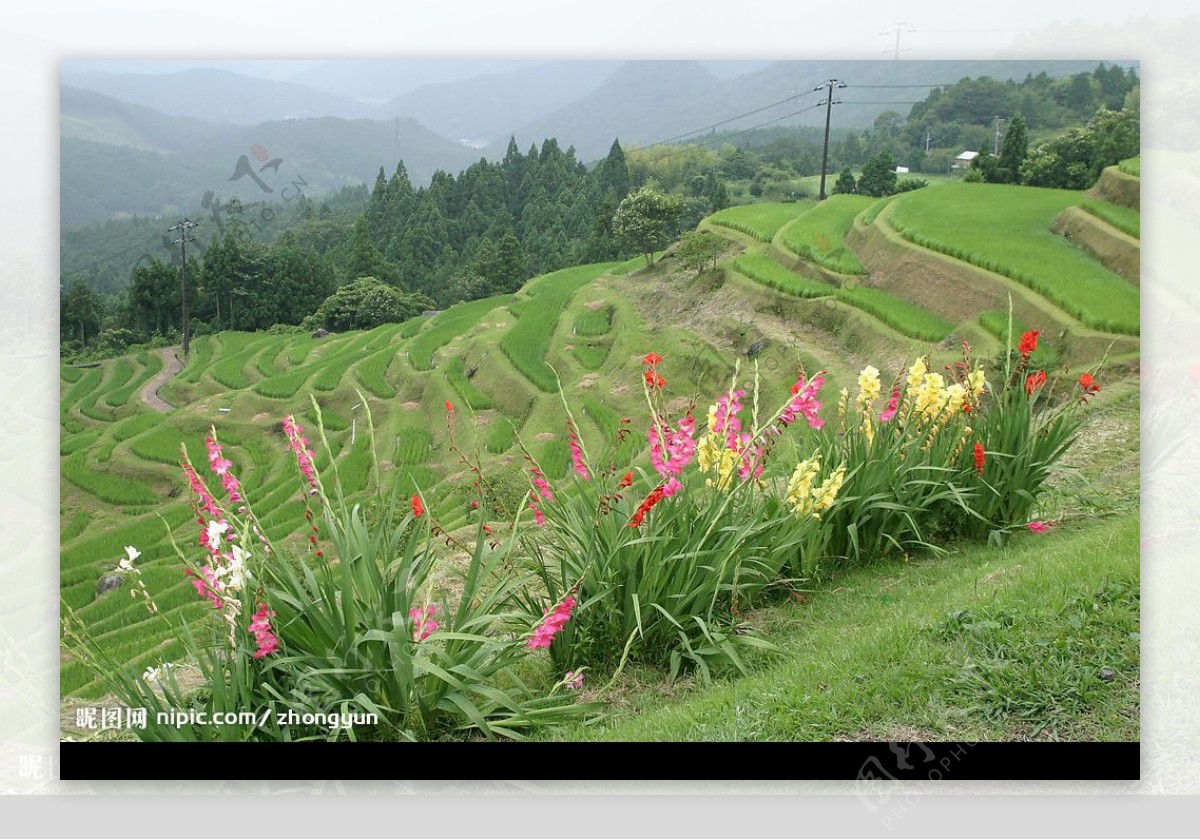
(154, 142)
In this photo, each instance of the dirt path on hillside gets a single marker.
(171, 366)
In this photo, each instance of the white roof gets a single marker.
(900, 170)
(968, 155)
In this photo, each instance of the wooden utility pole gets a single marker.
(828, 103)
(184, 238)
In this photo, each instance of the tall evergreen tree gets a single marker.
(1013, 149)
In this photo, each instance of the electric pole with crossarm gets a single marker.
(184, 238)
(828, 103)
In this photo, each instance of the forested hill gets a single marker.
(120, 160)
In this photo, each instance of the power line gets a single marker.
(733, 119)
(725, 138)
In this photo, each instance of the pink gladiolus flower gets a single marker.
(552, 624)
(804, 402)
(540, 483)
(890, 412)
(423, 623)
(1037, 527)
(207, 584)
(672, 449)
(577, 453)
(573, 680)
(264, 637)
(304, 456)
(538, 516)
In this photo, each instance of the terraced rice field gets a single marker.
(762, 221)
(820, 234)
(1006, 229)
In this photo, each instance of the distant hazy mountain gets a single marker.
(119, 159)
(221, 96)
(651, 101)
(262, 68)
(384, 79)
(484, 107)
(91, 116)
(641, 102)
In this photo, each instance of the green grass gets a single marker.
(996, 323)
(456, 375)
(869, 215)
(283, 386)
(897, 313)
(413, 446)
(107, 487)
(1006, 229)
(983, 644)
(1124, 219)
(591, 355)
(500, 436)
(448, 325)
(1131, 166)
(135, 425)
(591, 323)
(372, 373)
(69, 374)
(763, 269)
(759, 220)
(820, 234)
(236, 351)
(202, 349)
(151, 364)
(526, 342)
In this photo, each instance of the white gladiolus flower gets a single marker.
(215, 531)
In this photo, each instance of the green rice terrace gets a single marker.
(834, 286)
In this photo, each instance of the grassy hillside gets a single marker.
(496, 360)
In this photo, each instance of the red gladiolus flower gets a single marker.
(418, 509)
(652, 359)
(1035, 381)
(1089, 385)
(655, 496)
(1028, 343)
(450, 406)
(654, 380)
(980, 458)
(627, 480)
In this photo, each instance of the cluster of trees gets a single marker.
(1071, 160)
(495, 225)
(878, 178)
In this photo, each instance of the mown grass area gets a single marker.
(761, 221)
(1039, 639)
(763, 269)
(1124, 219)
(820, 234)
(538, 310)
(1131, 166)
(1006, 229)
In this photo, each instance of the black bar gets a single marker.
(859, 760)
